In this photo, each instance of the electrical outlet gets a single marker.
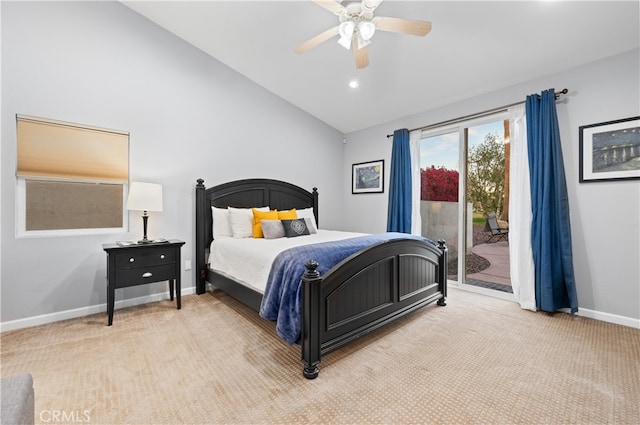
(187, 264)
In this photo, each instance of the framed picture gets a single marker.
(368, 177)
(610, 150)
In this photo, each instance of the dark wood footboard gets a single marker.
(366, 291)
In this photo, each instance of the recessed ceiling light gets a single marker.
(354, 84)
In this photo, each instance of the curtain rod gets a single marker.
(476, 115)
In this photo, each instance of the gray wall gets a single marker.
(605, 216)
(101, 64)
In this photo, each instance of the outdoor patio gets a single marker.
(487, 264)
(497, 275)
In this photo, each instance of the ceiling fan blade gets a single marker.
(403, 26)
(331, 6)
(361, 56)
(370, 5)
(314, 41)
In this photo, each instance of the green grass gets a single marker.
(478, 218)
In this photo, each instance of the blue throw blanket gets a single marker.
(282, 300)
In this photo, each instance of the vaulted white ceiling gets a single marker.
(474, 47)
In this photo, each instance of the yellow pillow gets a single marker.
(288, 215)
(258, 216)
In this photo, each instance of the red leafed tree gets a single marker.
(439, 184)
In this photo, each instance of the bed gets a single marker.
(370, 288)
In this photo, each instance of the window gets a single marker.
(71, 178)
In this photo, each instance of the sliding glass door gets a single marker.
(440, 191)
(464, 177)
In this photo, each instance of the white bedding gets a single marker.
(248, 260)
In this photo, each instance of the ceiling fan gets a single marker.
(357, 25)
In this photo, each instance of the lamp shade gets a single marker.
(346, 34)
(346, 29)
(145, 197)
(366, 29)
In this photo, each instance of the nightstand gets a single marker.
(139, 264)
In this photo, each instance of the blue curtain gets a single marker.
(399, 213)
(551, 229)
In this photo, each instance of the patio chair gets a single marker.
(496, 231)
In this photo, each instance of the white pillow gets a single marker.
(221, 225)
(241, 221)
(311, 223)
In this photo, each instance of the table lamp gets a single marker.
(145, 197)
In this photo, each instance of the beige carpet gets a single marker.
(478, 360)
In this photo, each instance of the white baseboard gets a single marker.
(86, 311)
(607, 317)
(583, 312)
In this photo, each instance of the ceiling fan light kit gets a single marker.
(362, 42)
(345, 30)
(366, 29)
(357, 25)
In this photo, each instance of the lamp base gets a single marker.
(144, 239)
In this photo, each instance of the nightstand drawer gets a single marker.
(141, 275)
(146, 257)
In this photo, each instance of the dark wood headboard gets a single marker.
(246, 193)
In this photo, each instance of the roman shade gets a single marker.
(63, 151)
